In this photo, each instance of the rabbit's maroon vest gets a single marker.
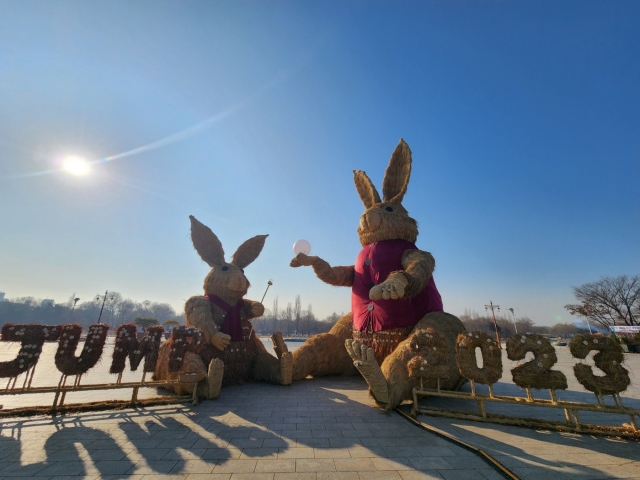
(373, 265)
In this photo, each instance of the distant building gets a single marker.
(2, 299)
(47, 302)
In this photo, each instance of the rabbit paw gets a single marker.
(214, 378)
(257, 310)
(286, 368)
(302, 260)
(392, 288)
(365, 361)
(278, 344)
(220, 340)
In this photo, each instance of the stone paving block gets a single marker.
(110, 467)
(360, 451)
(184, 454)
(275, 466)
(246, 443)
(56, 468)
(222, 454)
(326, 434)
(354, 464)
(207, 476)
(148, 454)
(490, 473)
(235, 466)
(251, 453)
(400, 451)
(343, 442)
(151, 468)
(396, 463)
(295, 476)
(441, 451)
(252, 476)
(337, 476)
(279, 443)
(331, 453)
(295, 434)
(315, 465)
(460, 474)
(424, 475)
(380, 475)
(192, 466)
(303, 452)
(536, 473)
(437, 463)
(314, 442)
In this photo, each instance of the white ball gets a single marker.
(302, 246)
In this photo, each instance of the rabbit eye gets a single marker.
(389, 209)
(242, 270)
(225, 268)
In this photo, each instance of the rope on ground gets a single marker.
(501, 469)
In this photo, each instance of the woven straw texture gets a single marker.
(466, 345)
(536, 373)
(608, 359)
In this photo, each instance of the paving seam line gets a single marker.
(504, 471)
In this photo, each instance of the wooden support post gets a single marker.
(33, 370)
(194, 397)
(119, 378)
(552, 394)
(134, 396)
(26, 379)
(491, 395)
(529, 395)
(473, 388)
(55, 399)
(633, 421)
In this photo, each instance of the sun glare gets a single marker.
(75, 166)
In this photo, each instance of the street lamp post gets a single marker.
(104, 299)
(493, 307)
(75, 300)
(513, 314)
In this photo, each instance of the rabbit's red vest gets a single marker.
(373, 265)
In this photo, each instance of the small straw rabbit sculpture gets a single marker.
(394, 297)
(232, 353)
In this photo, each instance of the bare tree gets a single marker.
(297, 313)
(609, 301)
(275, 314)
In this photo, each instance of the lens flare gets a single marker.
(75, 166)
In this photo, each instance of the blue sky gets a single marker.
(523, 119)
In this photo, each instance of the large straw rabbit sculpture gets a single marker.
(232, 352)
(393, 297)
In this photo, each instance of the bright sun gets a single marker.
(75, 166)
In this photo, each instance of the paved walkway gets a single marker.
(318, 429)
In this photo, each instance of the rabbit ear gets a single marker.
(368, 193)
(248, 251)
(396, 178)
(206, 243)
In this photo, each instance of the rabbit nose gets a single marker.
(369, 222)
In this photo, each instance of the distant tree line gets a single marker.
(117, 310)
(292, 320)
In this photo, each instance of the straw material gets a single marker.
(127, 345)
(466, 345)
(608, 359)
(31, 338)
(183, 339)
(383, 342)
(432, 355)
(536, 373)
(66, 362)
